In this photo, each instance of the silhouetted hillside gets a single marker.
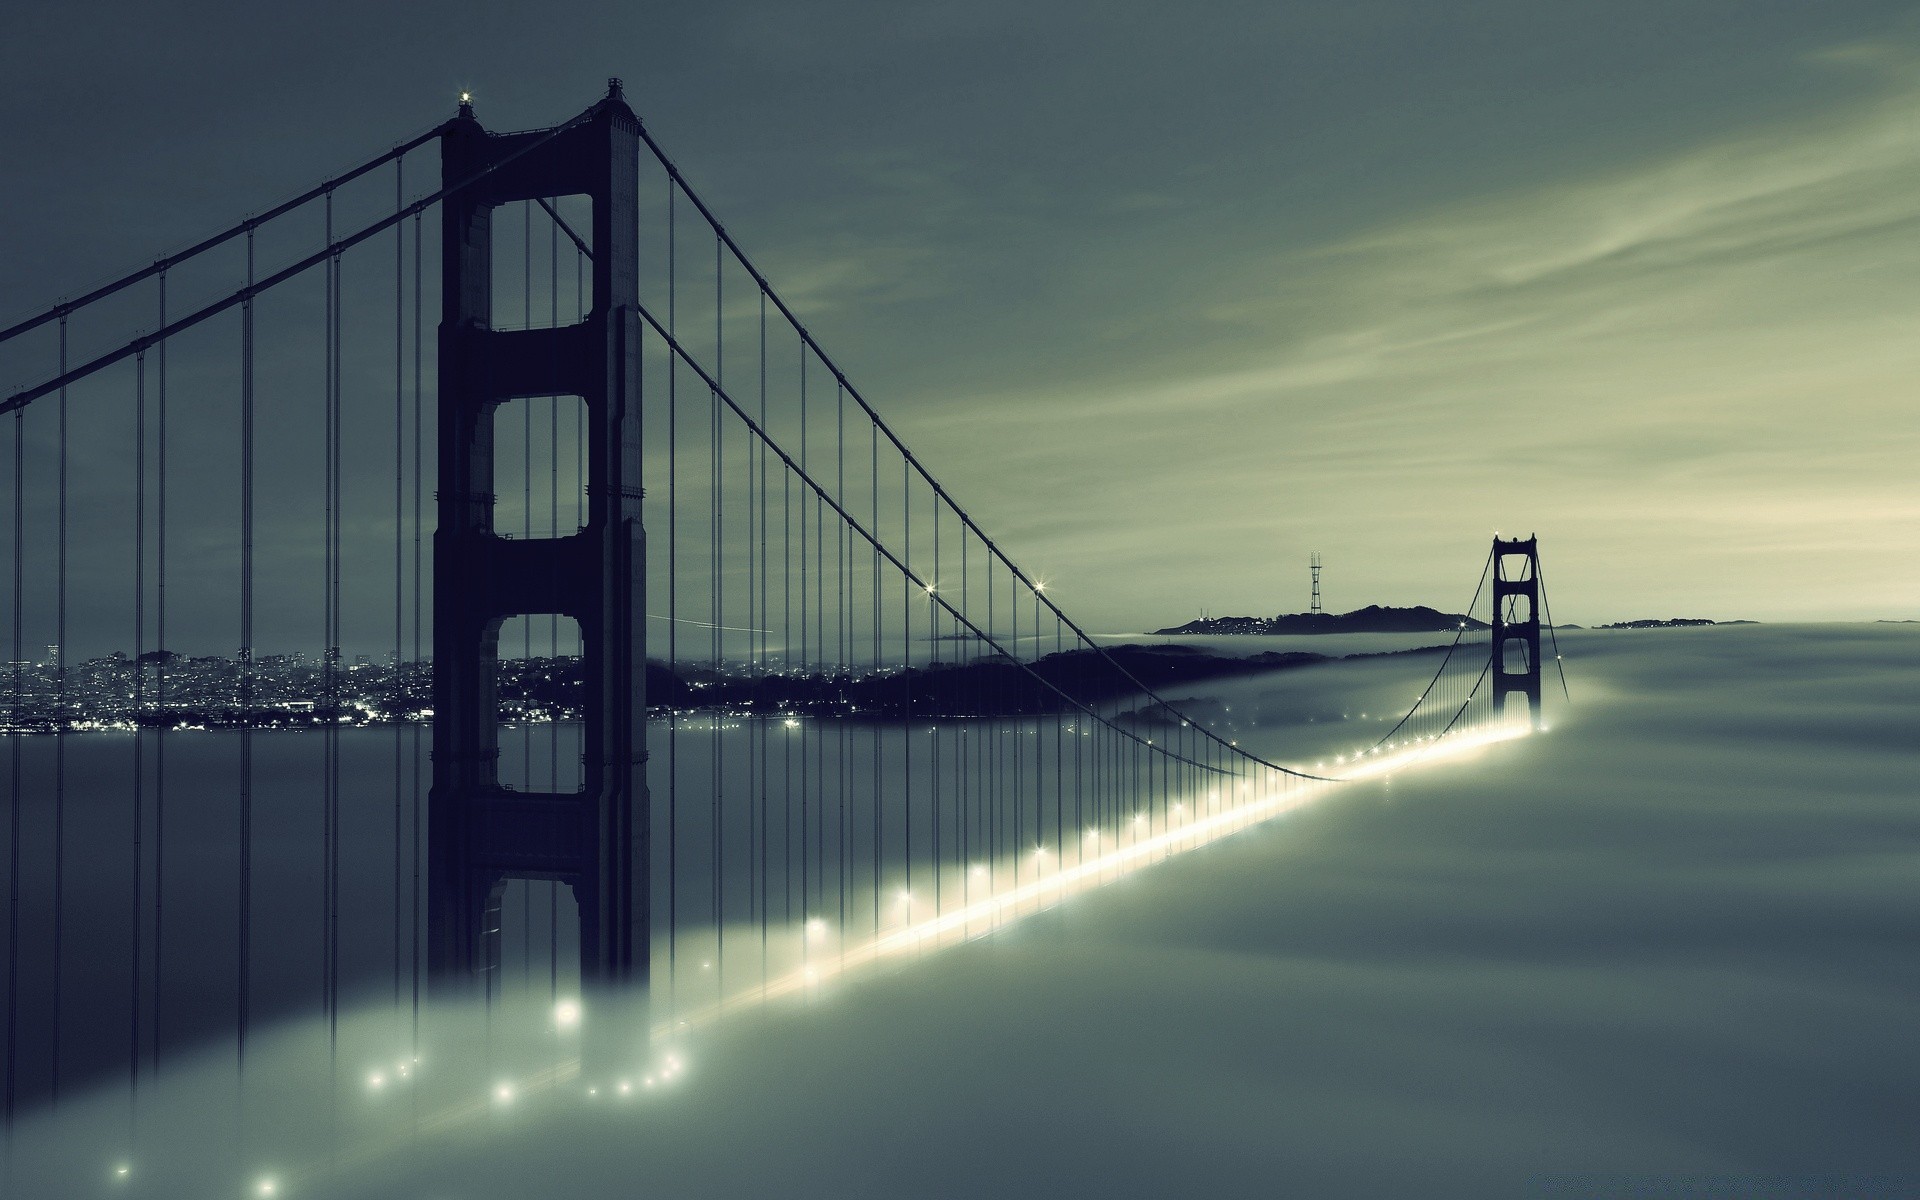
(1373, 618)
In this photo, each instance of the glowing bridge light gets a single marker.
(503, 1092)
(1005, 900)
(376, 1081)
(566, 1014)
(268, 1186)
(122, 1171)
(791, 723)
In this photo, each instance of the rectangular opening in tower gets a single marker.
(540, 946)
(540, 695)
(1514, 656)
(1514, 567)
(540, 467)
(542, 277)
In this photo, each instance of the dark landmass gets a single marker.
(166, 690)
(1666, 623)
(991, 686)
(1373, 618)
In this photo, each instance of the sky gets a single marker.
(1173, 298)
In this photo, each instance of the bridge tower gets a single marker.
(1516, 624)
(1314, 563)
(481, 833)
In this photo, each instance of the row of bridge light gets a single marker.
(1055, 881)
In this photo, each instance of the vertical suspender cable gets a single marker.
(787, 659)
(752, 667)
(719, 832)
(933, 656)
(963, 857)
(333, 651)
(1059, 773)
(760, 665)
(1039, 747)
(160, 679)
(673, 617)
(413, 844)
(243, 985)
(139, 703)
(13, 787)
(1019, 731)
(906, 673)
(843, 637)
(326, 637)
(331, 656)
(526, 621)
(805, 815)
(873, 669)
(399, 557)
(62, 720)
(1552, 634)
(326, 644)
(792, 659)
(553, 619)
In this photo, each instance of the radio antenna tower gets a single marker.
(1316, 582)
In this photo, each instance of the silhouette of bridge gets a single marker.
(727, 692)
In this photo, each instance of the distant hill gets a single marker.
(1373, 618)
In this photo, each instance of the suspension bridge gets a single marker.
(470, 580)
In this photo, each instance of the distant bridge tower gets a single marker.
(1516, 624)
(1316, 582)
(481, 833)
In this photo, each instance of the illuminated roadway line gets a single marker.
(994, 912)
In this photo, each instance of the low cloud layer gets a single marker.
(1663, 944)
